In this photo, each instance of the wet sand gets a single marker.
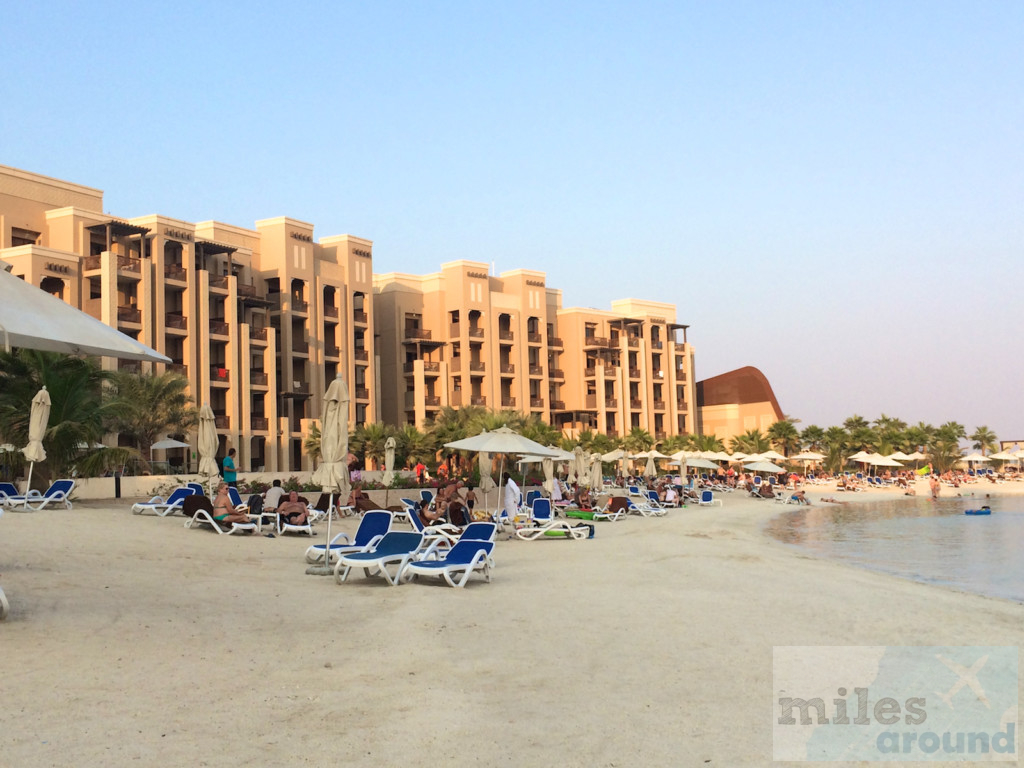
(133, 640)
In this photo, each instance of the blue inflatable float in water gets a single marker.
(982, 511)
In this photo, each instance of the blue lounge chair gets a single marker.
(372, 527)
(197, 488)
(528, 501)
(163, 507)
(59, 491)
(7, 491)
(707, 499)
(396, 548)
(426, 495)
(540, 510)
(464, 558)
(446, 530)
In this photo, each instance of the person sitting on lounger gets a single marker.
(223, 510)
(293, 511)
(765, 491)
(427, 515)
(359, 501)
(582, 498)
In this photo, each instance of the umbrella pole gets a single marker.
(324, 568)
(28, 483)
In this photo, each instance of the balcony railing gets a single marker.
(361, 355)
(129, 264)
(612, 432)
(659, 405)
(90, 263)
(456, 398)
(219, 373)
(554, 341)
(257, 334)
(179, 368)
(129, 314)
(633, 341)
(680, 375)
(476, 333)
(260, 423)
(636, 404)
(681, 405)
(175, 320)
(557, 405)
(432, 401)
(218, 281)
(330, 310)
(218, 328)
(536, 402)
(534, 338)
(222, 422)
(657, 344)
(175, 272)
(129, 366)
(595, 341)
(508, 402)
(634, 373)
(508, 368)
(332, 352)
(431, 366)
(298, 305)
(611, 402)
(477, 400)
(361, 393)
(417, 333)
(589, 372)
(299, 388)
(359, 316)
(506, 335)
(478, 367)
(259, 379)
(246, 290)
(301, 346)
(660, 435)
(536, 370)
(556, 373)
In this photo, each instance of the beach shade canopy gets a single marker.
(501, 440)
(701, 463)
(39, 418)
(548, 465)
(389, 461)
(773, 456)
(596, 472)
(164, 445)
(975, 457)
(617, 455)
(717, 456)
(738, 457)
(884, 461)
(581, 464)
(1003, 456)
(861, 456)
(763, 466)
(899, 456)
(808, 456)
(917, 456)
(207, 443)
(752, 457)
(33, 319)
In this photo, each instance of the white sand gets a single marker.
(134, 641)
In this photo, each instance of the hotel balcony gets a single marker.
(589, 373)
(300, 346)
(179, 368)
(680, 375)
(299, 390)
(218, 328)
(659, 405)
(507, 369)
(612, 432)
(536, 370)
(681, 406)
(554, 341)
(508, 402)
(176, 321)
(611, 402)
(259, 379)
(127, 264)
(361, 393)
(129, 366)
(128, 314)
(361, 355)
(633, 341)
(557, 405)
(222, 422)
(634, 373)
(260, 424)
(534, 338)
(456, 398)
(660, 435)
(477, 400)
(258, 334)
(359, 317)
(331, 311)
(219, 375)
(416, 334)
(175, 272)
(429, 401)
(219, 282)
(536, 402)
(636, 404)
(506, 336)
(594, 341)
(476, 333)
(477, 367)
(556, 373)
(657, 344)
(246, 291)
(334, 352)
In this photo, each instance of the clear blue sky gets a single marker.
(831, 192)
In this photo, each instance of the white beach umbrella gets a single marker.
(763, 466)
(917, 456)
(651, 469)
(719, 456)
(389, 462)
(884, 461)
(33, 319)
(163, 445)
(899, 456)
(975, 457)
(1002, 456)
(332, 474)
(808, 456)
(548, 465)
(39, 418)
(207, 444)
(701, 463)
(738, 456)
(773, 456)
(754, 457)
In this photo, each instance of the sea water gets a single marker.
(917, 538)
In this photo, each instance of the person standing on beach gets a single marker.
(933, 483)
(512, 496)
(230, 473)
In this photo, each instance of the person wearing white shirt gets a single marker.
(512, 496)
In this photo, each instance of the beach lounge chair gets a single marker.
(540, 510)
(707, 499)
(478, 531)
(163, 507)
(426, 495)
(283, 526)
(464, 558)
(409, 508)
(7, 491)
(530, 497)
(445, 530)
(196, 488)
(556, 529)
(372, 527)
(58, 492)
(395, 548)
(203, 517)
(654, 501)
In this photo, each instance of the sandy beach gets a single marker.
(133, 641)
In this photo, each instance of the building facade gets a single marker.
(258, 320)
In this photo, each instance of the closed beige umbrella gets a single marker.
(596, 472)
(207, 443)
(38, 419)
(389, 462)
(332, 474)
(582, 465)
(549, 474)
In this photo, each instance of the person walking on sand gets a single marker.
(933, 483)
(512, 496)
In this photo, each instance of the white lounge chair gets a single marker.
(202, 517)
(396, 548)
(58, 492)
(556, 529)
(707, 499)
(464, 558)
(163, 507)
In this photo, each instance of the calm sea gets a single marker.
(920, 539)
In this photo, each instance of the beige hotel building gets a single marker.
(260, 320)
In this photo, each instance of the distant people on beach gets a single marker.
(935, 486)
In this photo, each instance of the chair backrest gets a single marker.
(410, 505)
(773, 480)
(757, 479)
(426, 495)
(706, 496)
(374, 523)
(464, 550)
(634, 490)
(8, 489)
(480, 531)
(530, 497)
(653, 496)
(60, 486)
(197, 488)
(399, 542)
(235, 496)
(179, 494)
(414, 519)
(541, 509)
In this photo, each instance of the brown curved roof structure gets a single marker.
(744, 385)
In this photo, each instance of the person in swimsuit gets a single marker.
(223, 510)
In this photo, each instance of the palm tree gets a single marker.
(311, 444)
(784, 436)
(944, 454)
(984, 439)
(855, 422)
(950, 431)
(415, 445)
(674, 443)
(751, 441)
(540, 431)
(144, 406)
(837, 437)
(367, 442)
(638, 440)
(813, 437)
(705, 443)
(863, 438)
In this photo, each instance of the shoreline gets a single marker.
(132, 638)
